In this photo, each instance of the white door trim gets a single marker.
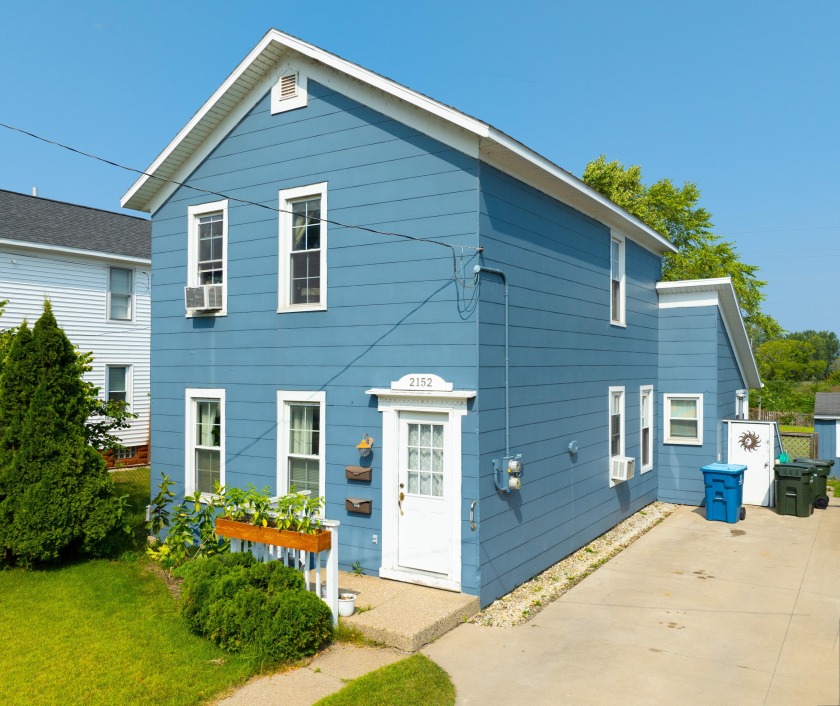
(391, 404)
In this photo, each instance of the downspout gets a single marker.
(477, 270)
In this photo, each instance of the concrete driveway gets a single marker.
(695, 612)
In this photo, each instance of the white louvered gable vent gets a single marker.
(289, 92)
(288, 86)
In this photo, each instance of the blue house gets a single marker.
(339, 261)
(827, 426)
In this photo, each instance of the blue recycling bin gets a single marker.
(724, 491)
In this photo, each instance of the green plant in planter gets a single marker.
(294, 511)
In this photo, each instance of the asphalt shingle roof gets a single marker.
(31, 219)
(827, 404)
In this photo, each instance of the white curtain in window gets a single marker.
(207, 431)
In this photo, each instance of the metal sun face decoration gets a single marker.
(749, 441)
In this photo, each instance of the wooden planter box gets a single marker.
(318, 542)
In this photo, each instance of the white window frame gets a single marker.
(193, 214)
(129, 388)
(618, 318)
(108, 313)
(616, 392)
(193, 395)
(286, 198)
(284, 399)
(620, 394)
(646, 392)
(837, 437)
(666, 419)
(300, 98)
(742, 404)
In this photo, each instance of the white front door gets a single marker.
(422, 498)
(425, 484)
(751, 444)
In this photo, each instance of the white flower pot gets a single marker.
(346, 604)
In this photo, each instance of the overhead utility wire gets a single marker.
(246, 201)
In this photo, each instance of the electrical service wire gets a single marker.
(274, 209)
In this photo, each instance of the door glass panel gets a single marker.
(425, 459)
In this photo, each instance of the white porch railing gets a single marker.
(301, 560)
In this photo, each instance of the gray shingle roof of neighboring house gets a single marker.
(35, 220)
(827, 404)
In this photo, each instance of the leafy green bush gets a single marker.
(238, 603)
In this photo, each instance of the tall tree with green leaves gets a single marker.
(825, 344)
(675, 213)
(56, 497)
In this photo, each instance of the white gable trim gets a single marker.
(255, 75)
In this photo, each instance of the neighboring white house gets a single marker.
(95, 268)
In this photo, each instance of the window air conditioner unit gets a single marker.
(205, 297)
(622, 468)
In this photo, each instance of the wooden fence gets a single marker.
(793, 419)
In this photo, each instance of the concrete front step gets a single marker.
(403, 615)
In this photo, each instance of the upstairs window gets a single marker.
(211, 243)
(120, 293)
(617, 294)
(303, 249)
(207, 251)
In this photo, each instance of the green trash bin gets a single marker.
(822, 469)
(794, 489)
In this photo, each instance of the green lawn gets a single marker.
(105, 632)
(801, 430)
(415, 681)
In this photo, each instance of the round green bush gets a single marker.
(238, 602)
(297, 624)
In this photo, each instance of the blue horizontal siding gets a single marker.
(690, 354)
(393, 305)
(827, 442)
(564, 355)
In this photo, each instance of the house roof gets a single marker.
(253, 77)
(827, 405)
(720, 292)
(32, 221)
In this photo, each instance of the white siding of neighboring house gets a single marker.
(77, 287)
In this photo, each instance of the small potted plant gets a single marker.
(346, 604)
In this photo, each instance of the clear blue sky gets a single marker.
(739, 97)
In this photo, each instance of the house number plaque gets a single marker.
(422, 382)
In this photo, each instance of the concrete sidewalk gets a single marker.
(695, 612)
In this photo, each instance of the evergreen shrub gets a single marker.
(240, 603)
(56, 497)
